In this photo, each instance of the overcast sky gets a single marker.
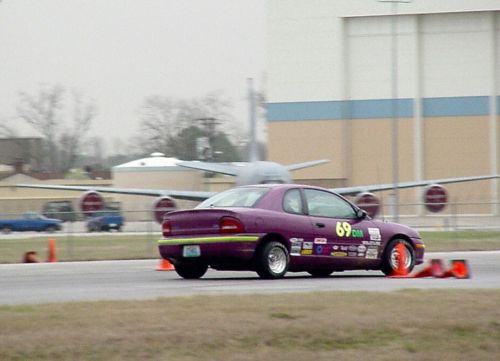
(120, 51)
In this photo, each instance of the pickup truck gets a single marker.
(31, 221)
(105, 222)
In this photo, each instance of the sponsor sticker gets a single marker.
(374, 234)
(353, 248)
(319, 249)
(306, 252)
(339, 254)
(352, 254)
(296, 246)
(362, 248)
(344, 248)
(372, 252)
(307, 245)
(320, 240)
(371, 243)
(335, 247)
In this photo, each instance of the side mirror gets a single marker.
(361, 213)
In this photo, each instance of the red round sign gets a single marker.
(435, 198)
(369, 202)
(161, 206)
(91, 201)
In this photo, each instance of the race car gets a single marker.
(273, 229)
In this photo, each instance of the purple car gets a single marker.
(272, 229)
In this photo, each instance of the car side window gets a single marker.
(325, 204)
(292, 202)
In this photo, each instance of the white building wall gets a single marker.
(306, 47)
(456, 54)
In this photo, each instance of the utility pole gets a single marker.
(395, 104)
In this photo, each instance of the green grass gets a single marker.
(404, 325)
(117, 246)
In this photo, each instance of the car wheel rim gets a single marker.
(277, 260)
(395, 258)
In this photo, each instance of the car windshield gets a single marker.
(236, 197)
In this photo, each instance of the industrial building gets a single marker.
(388, 91)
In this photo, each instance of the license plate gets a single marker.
(191, 251)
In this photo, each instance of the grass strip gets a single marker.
(107, 246)
(409, 325)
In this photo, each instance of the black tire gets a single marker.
(50, 229)
(320, 273)
(191, 270)
(272, 261)
(6, 229)
(389, 263)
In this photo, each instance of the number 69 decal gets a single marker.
(343, 229)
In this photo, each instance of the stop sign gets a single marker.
(435, 198)
(369, 202)
(161, 206)
(91, 202)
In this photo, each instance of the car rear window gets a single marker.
(236, 197)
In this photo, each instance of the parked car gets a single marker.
(62, 210)
(272, 229)
(105, 222)
(31, 221)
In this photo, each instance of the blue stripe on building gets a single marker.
(378, 108)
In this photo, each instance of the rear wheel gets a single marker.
(272, 261)
(390, 260)
(191, 270)
(50, 229)
(5, 229)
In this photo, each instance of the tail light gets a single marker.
(231, 225)
(166, 228)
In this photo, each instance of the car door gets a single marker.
(341, 237)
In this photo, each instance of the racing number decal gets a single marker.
(343, 229)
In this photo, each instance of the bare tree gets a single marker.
(63, 127)
(163, 118)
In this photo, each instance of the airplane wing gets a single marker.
(305, 164)
(350, 191)
(185, 195)
(227, 169)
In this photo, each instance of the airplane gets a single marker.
(253, 172)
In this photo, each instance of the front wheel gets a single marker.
(272, 261)
(191, 270)
(391, 257)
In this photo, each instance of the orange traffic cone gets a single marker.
(165, 265)
(401, 270)
(30, 257)
(434, 269)
(459, 269)
(52, 251)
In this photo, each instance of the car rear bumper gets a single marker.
(210, 247)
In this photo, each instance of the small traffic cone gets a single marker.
(165, 265)
(401, 271)
(434, 269)
(52, 251)
(30, 257)
(459, 269)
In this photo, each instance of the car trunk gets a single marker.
(197, 221)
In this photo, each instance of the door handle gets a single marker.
(320, 225)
